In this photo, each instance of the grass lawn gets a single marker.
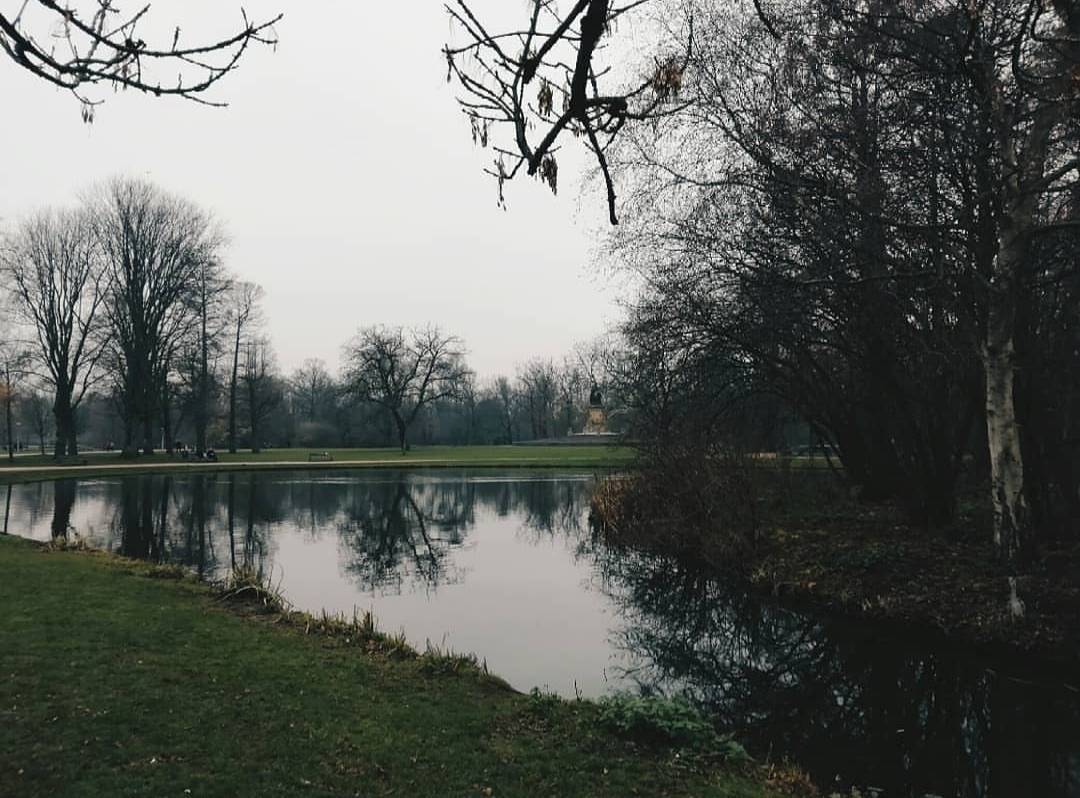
(28, 467)
(116, 684)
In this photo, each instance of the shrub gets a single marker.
(664, 721)
(251, 586)
(542, 704)
(682, 500)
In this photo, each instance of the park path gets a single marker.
(242, 464)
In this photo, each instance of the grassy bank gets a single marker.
(119, 684)
(31, 467)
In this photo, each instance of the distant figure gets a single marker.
(211, 455)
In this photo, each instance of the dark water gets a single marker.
(503, 564)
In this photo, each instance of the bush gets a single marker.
(664, 721)
(684, 501)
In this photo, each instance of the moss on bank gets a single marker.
(116, 684)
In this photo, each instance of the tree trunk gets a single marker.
(166, 419)
(148, 433)
(63, 502)
(10, 423)
(1013, 527)
(65, 423)
(402, 430)
(202, 411)
(1012, 532)
(232, 392)
(129, 448)
(253, 417)
(60, 446)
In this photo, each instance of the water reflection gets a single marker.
(849, 706)
(392, 533)
(504, 565)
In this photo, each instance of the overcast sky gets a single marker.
(347, 180)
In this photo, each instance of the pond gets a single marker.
(503, 564)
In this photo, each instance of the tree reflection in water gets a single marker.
(393, 531)
(63, 503)
(846, 705)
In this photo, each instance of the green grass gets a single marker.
(29, 467)
(116, 684)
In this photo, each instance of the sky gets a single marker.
(346, 178)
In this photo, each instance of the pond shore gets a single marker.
(123, 683)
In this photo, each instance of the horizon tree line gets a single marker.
(124, 301)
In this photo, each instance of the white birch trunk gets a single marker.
(1011, 521)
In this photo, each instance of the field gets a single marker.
(29, 467)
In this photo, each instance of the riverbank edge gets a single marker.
(573, 722)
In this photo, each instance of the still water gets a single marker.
(504, 565)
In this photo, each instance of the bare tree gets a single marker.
(14, 363)
(155, 245)
(404, 371)
(312, 388)
(538, 385)
(208, 299)
(468, 396)
(1024, 63)
(507, 399)
(243, 314)
(261, 391)
(75, 49)
(498, 71)
(36, 410)
(58, 276)
(573, 386)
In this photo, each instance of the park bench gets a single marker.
(320, 457)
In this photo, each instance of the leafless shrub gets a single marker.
(685, 500)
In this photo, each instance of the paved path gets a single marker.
(240, 464)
